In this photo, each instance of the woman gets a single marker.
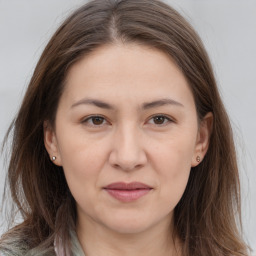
(122, 144)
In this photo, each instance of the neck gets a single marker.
(98, 240)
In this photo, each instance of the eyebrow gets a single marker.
(147, 105)
(97, 103)
(161, 102)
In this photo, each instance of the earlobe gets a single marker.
(203, 139)
(51, 144)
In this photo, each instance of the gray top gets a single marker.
(76, 247)
(14, 247)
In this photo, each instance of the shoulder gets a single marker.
(12, 247)
(20, 252)
(17, 247)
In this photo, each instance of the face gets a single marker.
(127, 135)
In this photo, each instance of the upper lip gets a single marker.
(127, 186)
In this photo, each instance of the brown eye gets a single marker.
(97, 120)
(159, 119)
(94, 121)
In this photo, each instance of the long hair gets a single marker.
(207, 218)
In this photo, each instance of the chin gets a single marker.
(129, 229)
(126, 225)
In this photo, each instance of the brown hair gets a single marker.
(206, 216)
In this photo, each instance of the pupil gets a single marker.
(97, 120)
(159, 119)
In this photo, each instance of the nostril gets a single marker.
(126, 167)
(127, 154)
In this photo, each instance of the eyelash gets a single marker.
(89, 120)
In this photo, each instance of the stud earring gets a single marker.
(54, 158)
(198, 159)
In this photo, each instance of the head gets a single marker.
(205, 205)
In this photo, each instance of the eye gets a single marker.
(95, 121)
(160, 120)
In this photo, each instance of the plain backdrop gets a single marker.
(228, 29)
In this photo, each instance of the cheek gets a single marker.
(82, 172)
(174, 154)
(79, 152)
(82, 163)
(174, 172)
(172, 161)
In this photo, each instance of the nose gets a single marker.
(127, 152)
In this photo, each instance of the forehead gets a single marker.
(129, 70)
(126, 59)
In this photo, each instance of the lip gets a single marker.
(127, 192)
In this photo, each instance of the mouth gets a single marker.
(127, 192)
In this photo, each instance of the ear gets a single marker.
(203, 139)
(51, 144)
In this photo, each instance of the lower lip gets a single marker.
(127, 195)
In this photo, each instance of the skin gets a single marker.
(156, 144)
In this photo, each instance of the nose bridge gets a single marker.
(128, 152)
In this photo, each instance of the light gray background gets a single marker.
(228, 29)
